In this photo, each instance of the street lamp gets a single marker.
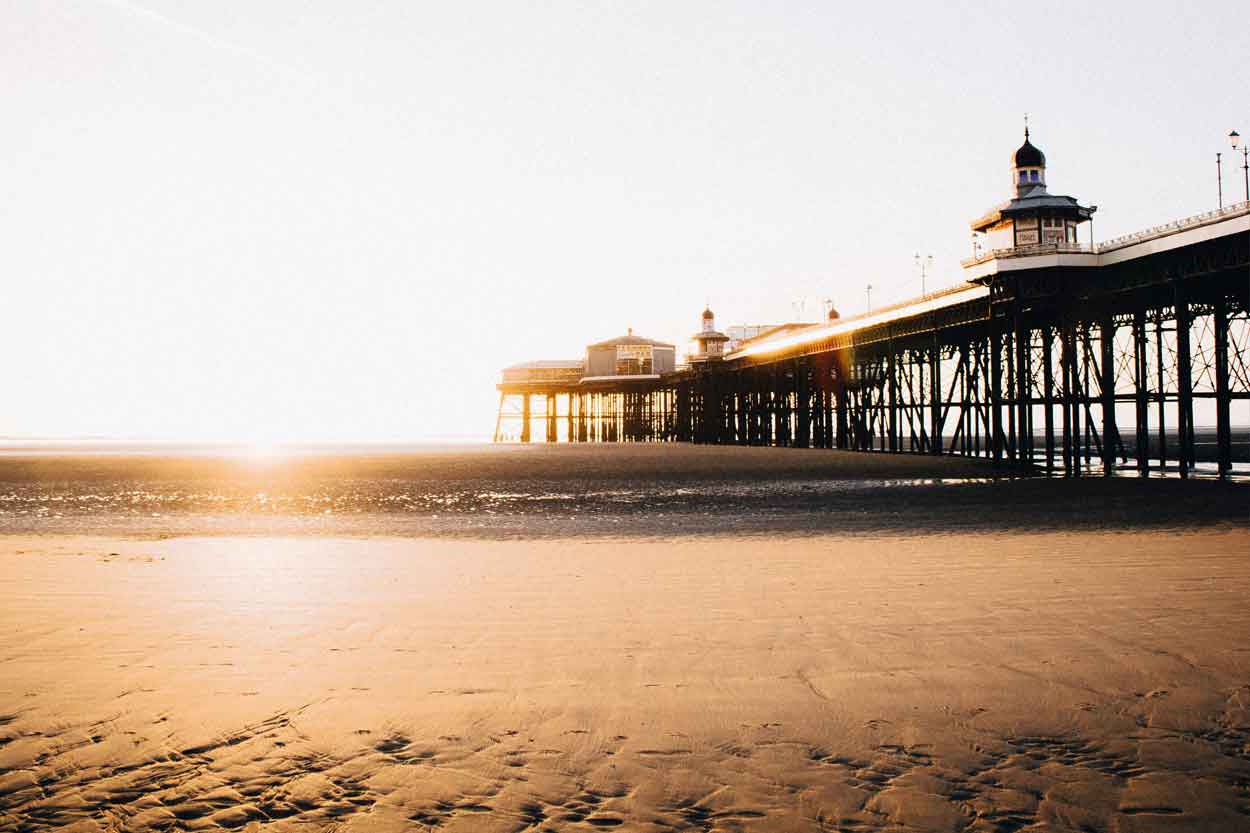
(1219, 178)
(1234, 139)
(923, 266)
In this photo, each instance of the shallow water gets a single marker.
(642, 490)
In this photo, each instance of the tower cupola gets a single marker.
(707, 343)
(1028, 167)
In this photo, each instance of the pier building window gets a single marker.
(633, 360)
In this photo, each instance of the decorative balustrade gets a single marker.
(1029, 251)
(1173, 227)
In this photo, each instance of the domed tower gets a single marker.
(1035, 217)
(1028, 167)
(708, 343)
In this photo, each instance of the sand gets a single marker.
(889, 676)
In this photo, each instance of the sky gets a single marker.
(299, 220)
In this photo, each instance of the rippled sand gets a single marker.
(803, 672)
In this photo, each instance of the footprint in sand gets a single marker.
(392, 744)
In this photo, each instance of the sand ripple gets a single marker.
(276, 774)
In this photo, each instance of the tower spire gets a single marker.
(1026, 127)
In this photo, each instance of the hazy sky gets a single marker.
(331, 220)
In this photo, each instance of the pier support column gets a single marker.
(1141, 385)
(708, 411)
(1223, 399)
(1078, 396)
(935, 396)
(802, 393)
(1086, 355)
(829, 437)
(1106, 337)
(1068, 397)
(772, 418)
(1011, 439)
(525, 417)
(996, 393)
(1024, 391)
(1184, 383)
(891, 370)
(740, 408)
(683, 412)
(842, 405)
(1163, 437)
(1048, 395)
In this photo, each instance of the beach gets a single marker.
(640, 638)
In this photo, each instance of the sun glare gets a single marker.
(263, 451)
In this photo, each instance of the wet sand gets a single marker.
(792, 671)
(581, 492)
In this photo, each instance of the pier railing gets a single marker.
(1029, 251)
(1183, 224)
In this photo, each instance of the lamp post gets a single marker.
(1234, 139)
(869, 290)
(923, 265)
(1219, 178)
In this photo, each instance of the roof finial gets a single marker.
(1026, 127)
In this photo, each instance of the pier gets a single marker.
(1052, 355)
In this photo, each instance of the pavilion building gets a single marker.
(630, 355)
(1034, 217)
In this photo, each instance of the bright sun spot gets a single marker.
(262, 452)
